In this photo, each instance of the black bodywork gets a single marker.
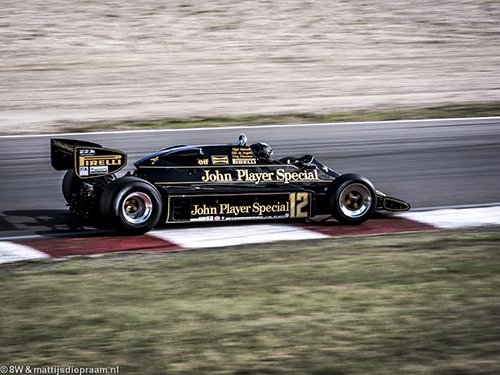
(209, 183)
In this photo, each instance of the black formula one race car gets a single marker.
(182, 183)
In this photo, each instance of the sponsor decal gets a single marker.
(243, 155)
(100, 161)
(202, 161)
(256, 177)
(244, 161)
(216, 176)
(297, 205)
(202, 218)
(244, 175)
(83, 171)
(92, 162)
(99, 170)
(245, 218)
(229, 209)
(220, 159)
(219, 207)
(86, 152)
(154, 160)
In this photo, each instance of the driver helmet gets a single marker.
(263, 152)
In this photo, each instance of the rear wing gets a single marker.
(89, 160)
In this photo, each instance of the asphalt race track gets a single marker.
(430, 163)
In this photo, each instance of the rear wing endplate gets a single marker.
(89, 160)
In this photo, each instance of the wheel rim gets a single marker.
(137, 208)
(355, 200)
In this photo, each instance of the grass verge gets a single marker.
(439, 112)
(383, 305)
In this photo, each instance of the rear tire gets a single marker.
(131, 205)
(70, 185)
(352, 199)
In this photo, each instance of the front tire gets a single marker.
(352, 199)
(132, 206)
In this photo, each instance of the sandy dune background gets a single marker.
(64, 63)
